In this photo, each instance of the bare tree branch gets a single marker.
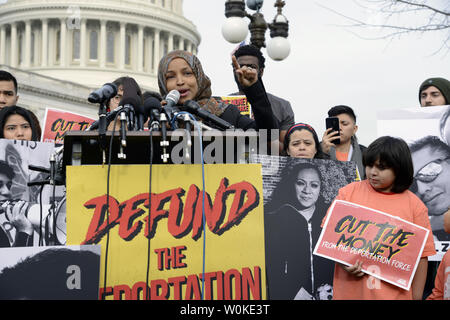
(424, 6)
(401, 17)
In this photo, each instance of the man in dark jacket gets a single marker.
(251, 56)
(348, 149)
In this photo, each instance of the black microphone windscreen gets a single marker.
(152, 103)
(106, 92)
(191, 106)
(134, 101)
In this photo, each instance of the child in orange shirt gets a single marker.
(441, 290)
(389, 171)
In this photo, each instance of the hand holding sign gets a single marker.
(355, 269)
(360, 238)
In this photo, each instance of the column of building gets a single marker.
(153, 48)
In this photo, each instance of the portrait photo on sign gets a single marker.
(429, 143)
(297, 194)
(30, 207)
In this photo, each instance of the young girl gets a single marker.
(18, 123)
(389, 170)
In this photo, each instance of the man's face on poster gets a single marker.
(432, 176)
(5, 187)
(446, 130)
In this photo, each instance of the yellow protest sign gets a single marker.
(225, 262)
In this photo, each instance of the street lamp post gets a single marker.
(235, 29)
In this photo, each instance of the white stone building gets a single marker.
(61, 50)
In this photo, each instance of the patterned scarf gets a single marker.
(203, 96)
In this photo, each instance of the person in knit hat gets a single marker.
(434, 92)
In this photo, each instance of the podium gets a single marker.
(231, 146)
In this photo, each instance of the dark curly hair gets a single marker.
(251, 50)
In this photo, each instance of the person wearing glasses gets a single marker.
(252, 57)
(431, 158)
(444, 126)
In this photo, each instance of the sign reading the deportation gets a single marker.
(389, 247)
(184, 262)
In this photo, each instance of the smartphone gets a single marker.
(333, 122)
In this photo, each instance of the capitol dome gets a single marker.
(93, 42)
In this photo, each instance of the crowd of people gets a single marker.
(385, 168)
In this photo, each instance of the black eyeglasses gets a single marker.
(248, 65)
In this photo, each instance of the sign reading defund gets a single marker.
(226, 261)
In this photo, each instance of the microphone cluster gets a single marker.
(134, 113)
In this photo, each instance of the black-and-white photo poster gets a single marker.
(297, 195)
(50, 273)
(32, 211)
(427, 132)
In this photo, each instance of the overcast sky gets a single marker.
(329, 64)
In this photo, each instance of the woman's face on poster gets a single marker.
(432, 175)
(307, 187)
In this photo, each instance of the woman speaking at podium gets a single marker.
(182, 71)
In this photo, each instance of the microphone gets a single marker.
(129, 104)
(141, 113)
(172, 99)
(109, 117)
(106, 92)
(194, 108)
(152, 108)
(168, 112)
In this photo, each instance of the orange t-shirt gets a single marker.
(341, 156)
(441, 290)
(405, 205)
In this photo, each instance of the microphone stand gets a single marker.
(123, 134)
(154, 120)
(102, 129)
(164, 143)
(187, 126)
